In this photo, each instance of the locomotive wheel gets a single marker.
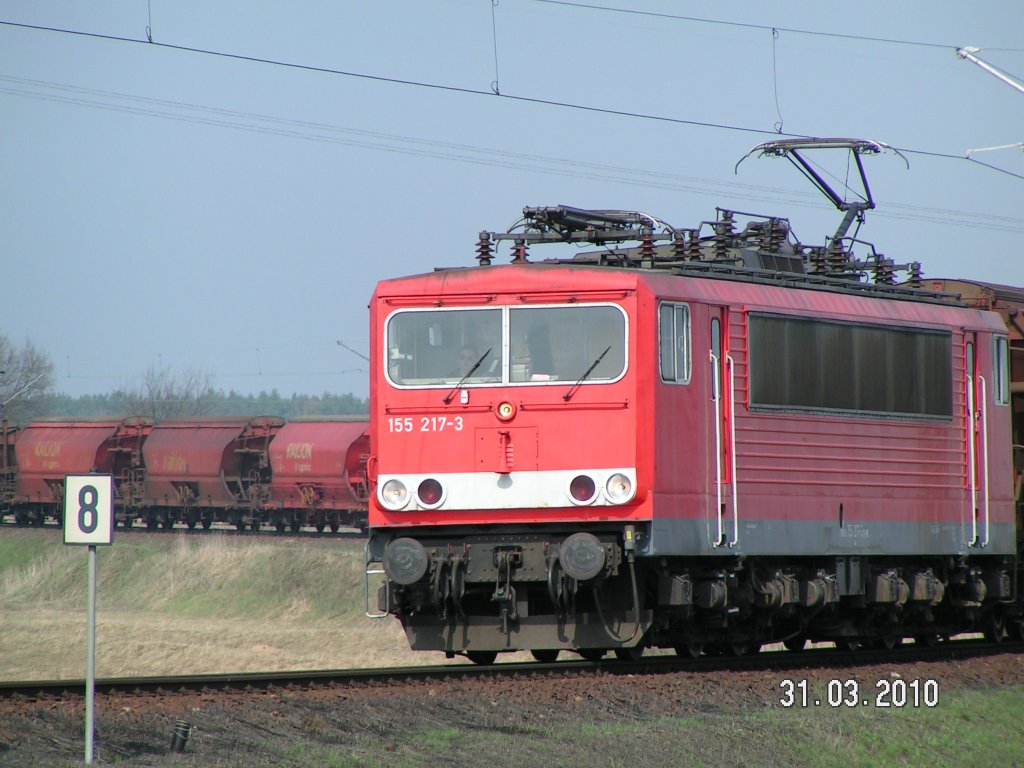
(927, 640)
(849, 644)
(689, 650)
(795, 644)
(545, 656)
(742, 648)
(280, 527)
(1015, 629)
(207, 523)
(152, 523)
(890, 642)
(320, 527)
(335, 527)
(992, 628)
(483, 658)
(254, 526)
(591, 654)
(239, 525)
(295, 526)
(629, 654)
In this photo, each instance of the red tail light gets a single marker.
(430, 492)
(582, 488)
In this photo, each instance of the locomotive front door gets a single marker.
(723, 528)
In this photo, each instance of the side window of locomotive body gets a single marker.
(438, 347)
(809, 364)
(674, 342)
(563, 343)
(1001, 370)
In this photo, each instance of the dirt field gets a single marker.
(697, 719)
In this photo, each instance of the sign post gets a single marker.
(89, 520)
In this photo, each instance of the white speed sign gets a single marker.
(89, 509)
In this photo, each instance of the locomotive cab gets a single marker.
(505, 451)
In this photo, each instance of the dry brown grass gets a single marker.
(191, 605)
(46, 644)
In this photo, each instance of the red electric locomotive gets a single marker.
(705, 445)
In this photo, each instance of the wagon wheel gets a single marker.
(335, 527)
(591, 654)
(849, 644)
(191, 524)
(207, 522)
(279, 526)
(483, 658)
(320, 527)
(295, 526)
(545, 656)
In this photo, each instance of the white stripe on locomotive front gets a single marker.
(514, 490)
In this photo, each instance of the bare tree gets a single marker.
(26, 375)
(163, 394)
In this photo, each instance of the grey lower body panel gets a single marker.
(808, 538)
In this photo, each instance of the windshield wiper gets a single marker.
(586, 373)
(470, 372)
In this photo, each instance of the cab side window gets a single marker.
(674, 342)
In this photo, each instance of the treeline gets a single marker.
(209, 403)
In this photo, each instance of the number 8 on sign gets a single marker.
(88, 509)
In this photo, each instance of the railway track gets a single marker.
(273, 682)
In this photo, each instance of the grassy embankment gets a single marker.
(179, 604)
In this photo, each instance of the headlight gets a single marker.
(394, 495)
(619, 488)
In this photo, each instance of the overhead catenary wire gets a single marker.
(750, 25)
(464, 90)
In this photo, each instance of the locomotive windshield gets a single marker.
(506, 345)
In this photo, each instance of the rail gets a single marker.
(950, 651)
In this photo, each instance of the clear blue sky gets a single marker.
(166, 207)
